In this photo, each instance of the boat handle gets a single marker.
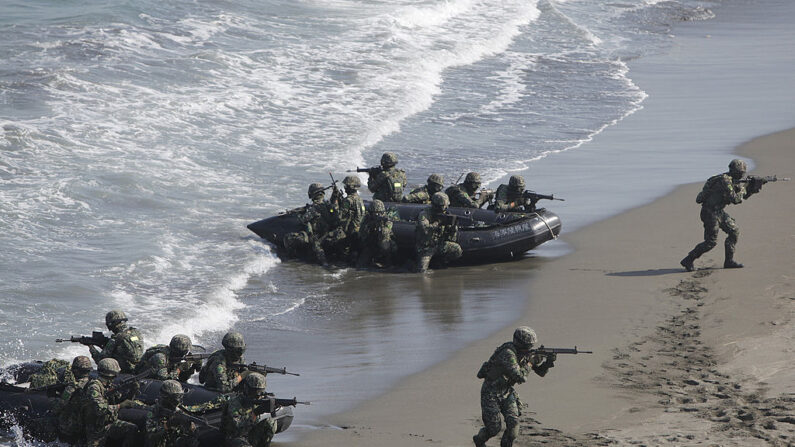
(475, 239)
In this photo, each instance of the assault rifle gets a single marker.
(97, 338)
(130, 381)
(270, 404)
(533, 197)
(762, 180)
(195, 357)
(184, 417)
(336, 194)
(370, 171)
(262, 369)
(543, 351)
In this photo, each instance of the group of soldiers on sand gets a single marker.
(86, 410)
(342, 229)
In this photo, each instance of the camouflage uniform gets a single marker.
(464, 194)
(510, 197)
(423, 194)
(100, 415)
(125, 345)
(433, 237)
(376, 240)
(316, 219)
(67, 407)
(718, 191)
(387, 185)
(241, 426)
(504, 369)
(52, 372)
(218, 374)
(172, 369)
(165, 429)
(343, 240)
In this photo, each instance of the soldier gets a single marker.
(510, 364)
(388, 183)
(315, 219)
(126, 345)
(465, 194)
(435, 234)
(344, 239)
(718, 191)
(100, 409)
(241, 424)
(173, 359)
(376, 239)
(434, 184)
(218, 373)
(166, 423)
(510, 197)
(66, 407)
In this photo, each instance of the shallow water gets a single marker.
(138, 139)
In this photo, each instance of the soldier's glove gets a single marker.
(755, 184)
(550, 361)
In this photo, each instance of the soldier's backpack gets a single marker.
(156, 349)
(709, 185)
(129, 345)
(49, 373)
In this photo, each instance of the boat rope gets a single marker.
(554, 236)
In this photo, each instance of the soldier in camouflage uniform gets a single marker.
(510, 364)
(218, 373)
(240, 423)
(434, 235)
(510, 197)
(173, 354)
(387, 185)
(377, 242)
(343, 241)
(100, 409)
(316, 218)
(721, 190)
(465, 195)
(67, 407)
(166, 423)
(434, 184)
(126, 345)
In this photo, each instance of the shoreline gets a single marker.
(628, 289)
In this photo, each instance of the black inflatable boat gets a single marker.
(27, 408)
(484, 235)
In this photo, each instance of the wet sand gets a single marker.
(681, 358)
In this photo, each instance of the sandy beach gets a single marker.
(702, 358)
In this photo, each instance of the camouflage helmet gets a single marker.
(233, 340)
(352, 182)
(314, 189)
(377, 207)
(472, 177)
(516, 182)
(389, 159)
(255, 381)
(158, 361)
(171, 388)
(440, 200)
(108, 367)
(436, 179)
(524, 337)
(180, 345)
(81, 363)
(738, 166)
(114, 317)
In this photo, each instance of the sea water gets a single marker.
(138, 138)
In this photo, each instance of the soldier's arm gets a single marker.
(226, 383)
(510, 364)
(107, 350)
(375, 182)
(732, 191)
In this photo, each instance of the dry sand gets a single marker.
(702, 358)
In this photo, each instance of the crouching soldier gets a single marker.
(242, 423)
(218, 373)
(436, 233)
(167, 424)
(376, 239)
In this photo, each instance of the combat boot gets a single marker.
(687, 263)
(732, 264)
(478, 441)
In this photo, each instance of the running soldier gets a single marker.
(466, 195)
(376, 240)
(436, 233)
(718, 191)
(126, 345)
(387, 183)
(510, 364)
(423, 194)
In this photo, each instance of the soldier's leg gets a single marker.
(490, 413)
(729, 226)
(262, 433)
(710, 220)
(451, 251)
(510, 410)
